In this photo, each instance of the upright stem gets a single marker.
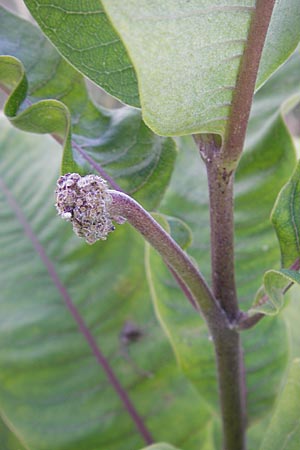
(228, 349)
(222, 239)
(232, 389)
(229, 354)
(220, 184)
(243, 94)
(221, 162)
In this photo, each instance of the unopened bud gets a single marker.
(84, 201)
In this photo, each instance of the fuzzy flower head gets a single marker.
(84, 201)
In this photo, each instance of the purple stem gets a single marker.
(187, 274)
(112, 378)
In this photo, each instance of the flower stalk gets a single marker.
(91, 207)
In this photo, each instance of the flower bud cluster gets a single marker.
(84, 201)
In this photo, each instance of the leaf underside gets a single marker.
(187, 56)
(84, 35)
(185, 78)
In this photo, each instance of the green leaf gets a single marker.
(48, 116)
(286, 219)
(187, 56)
(116, 141)
(282, 38)
(270, 299)
(283, 432)
(266, 165)
(83, 34)
(47, 370)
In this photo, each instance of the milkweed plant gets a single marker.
(165, 134)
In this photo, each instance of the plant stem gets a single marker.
(125, 206)
(240, 110)
(229, 356)
(232, 389)
(221, 162)
(228, 349)
(220, 183)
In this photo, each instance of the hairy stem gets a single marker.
(232, 389)
(173, 255)
(237, 125)
(228, 349)
(229, 355)
(220, 183)
(221, 162)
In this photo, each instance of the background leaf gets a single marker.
(85, 36)
(281, 40)
(284, 430)
(47, 370)
(187, 56)
(269, 159)
(116, 141)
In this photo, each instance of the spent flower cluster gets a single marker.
(84, 201)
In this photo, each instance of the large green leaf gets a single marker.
(187, 56)
(266, 165)
(52, 390)
(186, 77)
(284, 430)
(57, 102)
(84, 35)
